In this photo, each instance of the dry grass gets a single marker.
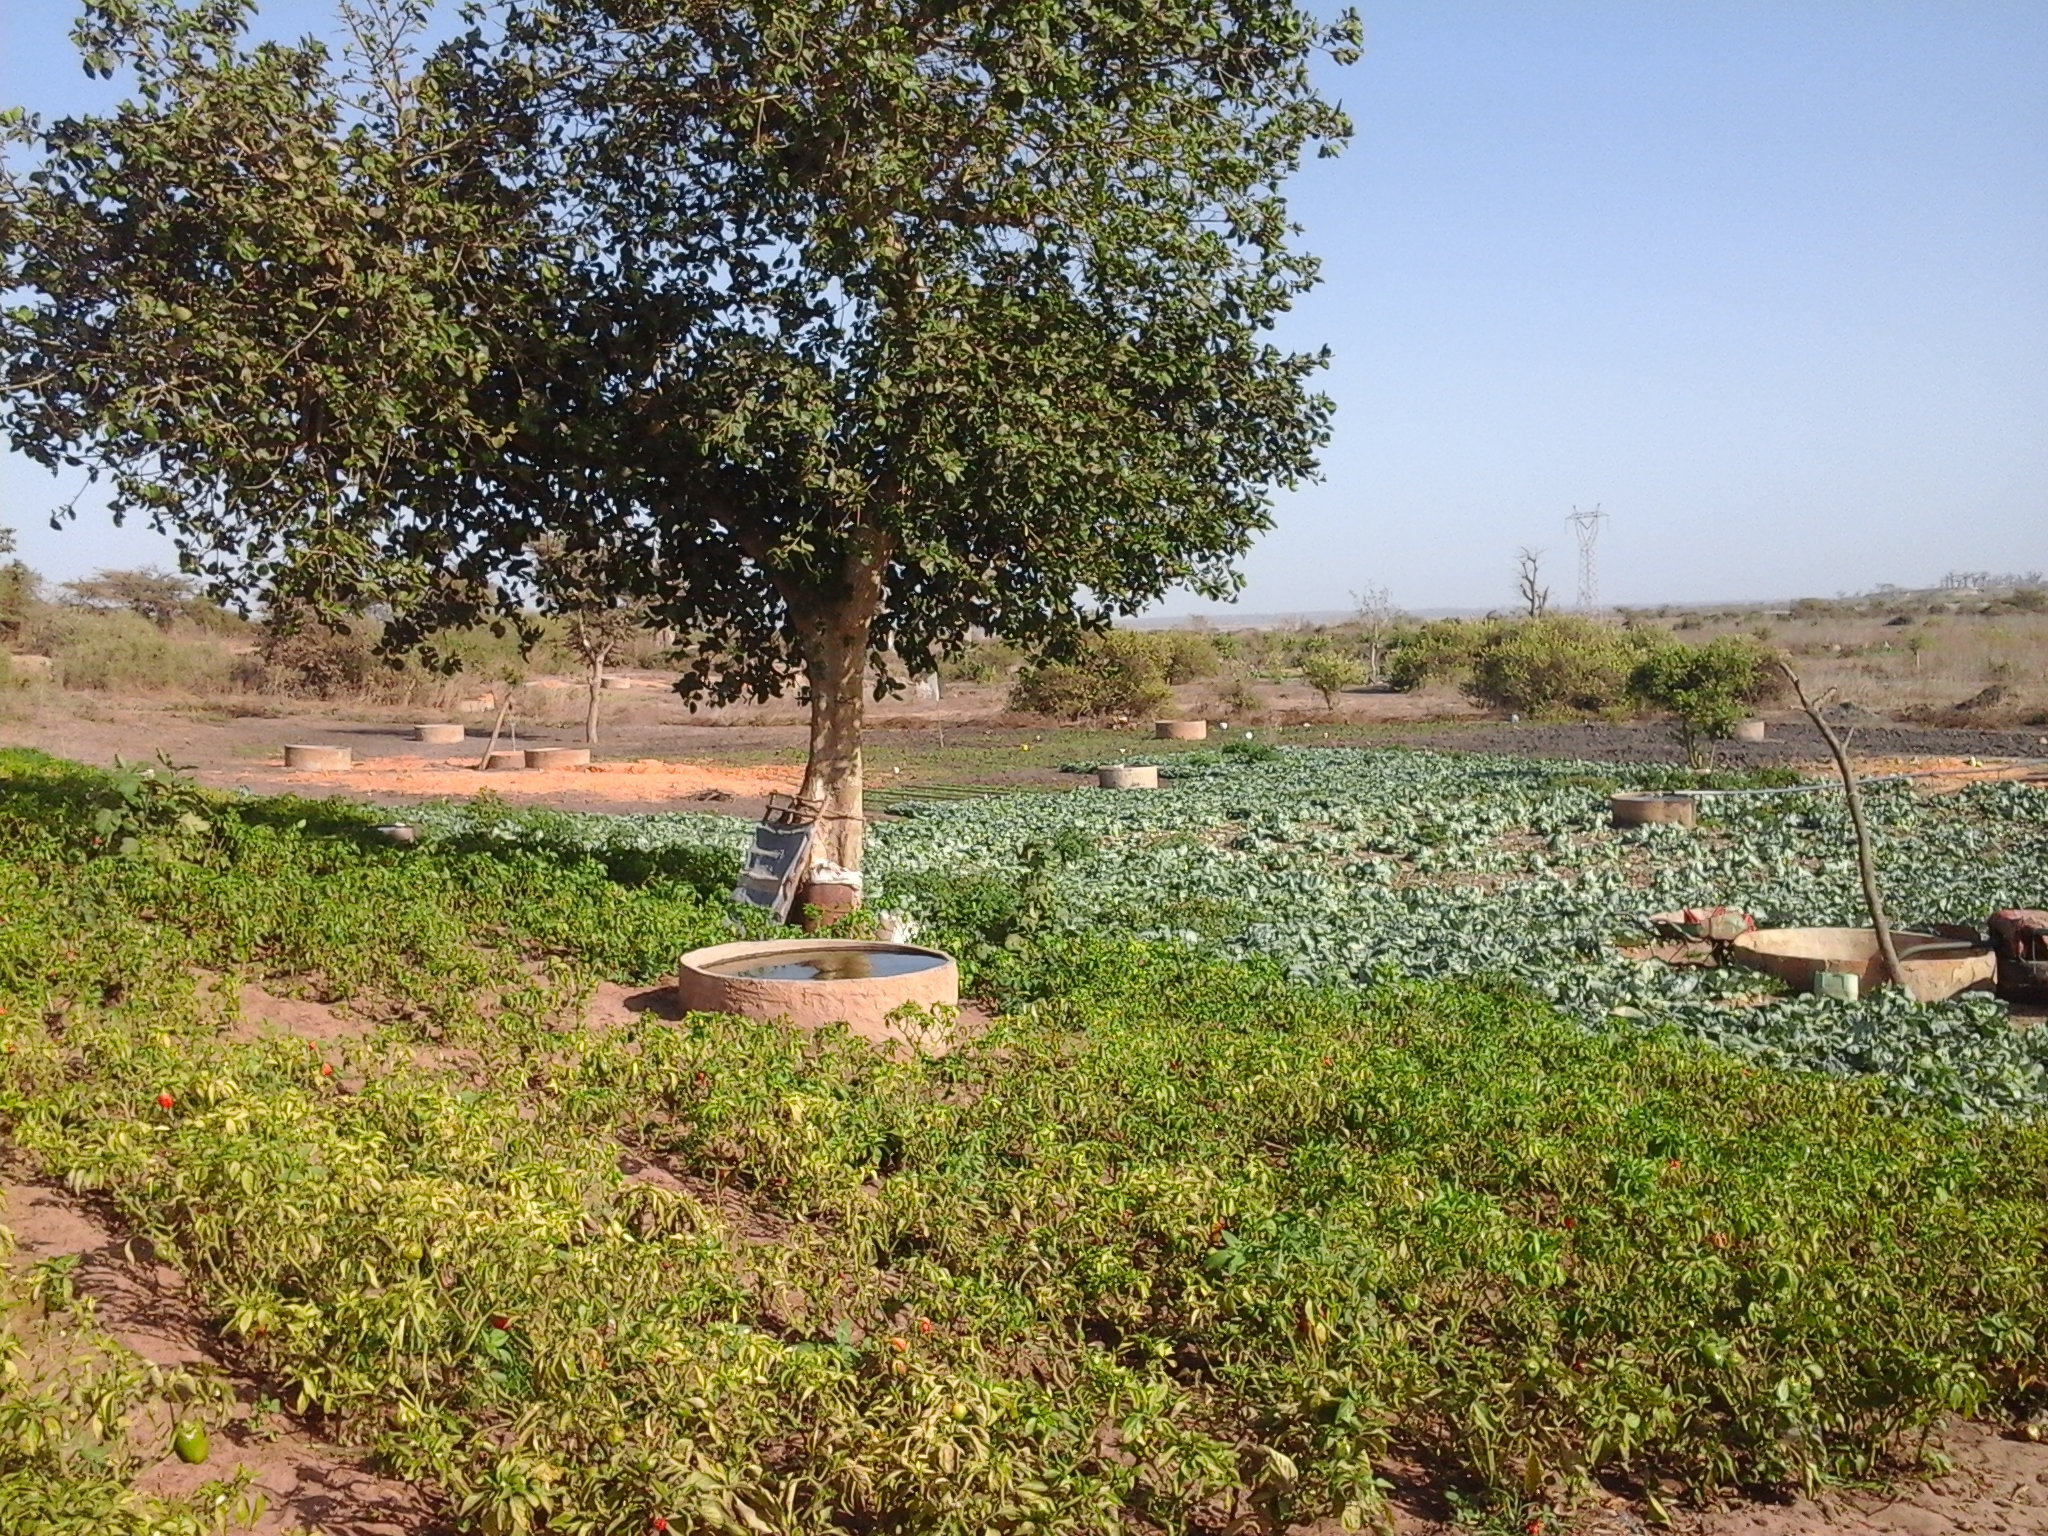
(1932, 666)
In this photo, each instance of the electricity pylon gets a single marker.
(1586, 527)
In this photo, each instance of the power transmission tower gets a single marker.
(1586, 527)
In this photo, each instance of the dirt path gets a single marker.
(1999, 1488)
(603, 786)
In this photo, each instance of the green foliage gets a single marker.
(1439, 651)
(70, 1395)
(158, 596)
(1707, 689)
(1554, 665)
(155, 813)
(241, 295)
(1119, 672)
(1189, 656)
(121, 652)
(1330, 672)
(19, 589)
(761, 306)
(1264, 1233)
(982, 661)
(1359, 865)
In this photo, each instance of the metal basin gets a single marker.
(1939, 960)
(816, 982)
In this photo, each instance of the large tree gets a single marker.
(837, 333)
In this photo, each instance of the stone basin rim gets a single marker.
(700, 960)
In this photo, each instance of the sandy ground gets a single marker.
(603, 786)
(655, 755)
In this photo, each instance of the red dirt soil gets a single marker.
(601, 786)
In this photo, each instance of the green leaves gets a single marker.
(1250, 1233)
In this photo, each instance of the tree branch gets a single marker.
(1866, 864)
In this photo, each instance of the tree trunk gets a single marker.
(596, 683)
(835, 666)
(1866, 861)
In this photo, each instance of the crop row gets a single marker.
(1348, 865)
(1180, 1240)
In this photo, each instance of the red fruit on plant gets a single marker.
(658, 1523)
(165, 1100)
(501, 1322)
(326, 1069)
(899, 1345)
(924, 1325)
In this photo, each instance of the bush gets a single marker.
(1330, 673)
(1116, 673)
(985, 661)
(317, 661)
(1441, 651)
(1705, 688)
(1187, 657)
(1554, 665)
(125, 653)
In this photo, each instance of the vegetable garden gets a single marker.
(1322, 1130)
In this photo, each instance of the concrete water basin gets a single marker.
(1939, 960)
(816, 982)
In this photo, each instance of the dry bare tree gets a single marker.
(596, 623)
(1376, 615)
(1535, 597)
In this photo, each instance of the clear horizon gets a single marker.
(1769, 284)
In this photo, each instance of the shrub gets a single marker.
(1441, 651)
(985, 661)
(316, 660)
(1554, 665)
(18, 591)
(1116, 673)
(1705, 688)
(1330, 673)
(1187, 657)
(125, 653)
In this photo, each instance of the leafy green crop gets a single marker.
(1350, 865)
(1182, 1238)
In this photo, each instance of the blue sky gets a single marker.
(1768, 282)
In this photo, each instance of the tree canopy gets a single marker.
(836, 334)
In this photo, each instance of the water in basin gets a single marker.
(825, 965)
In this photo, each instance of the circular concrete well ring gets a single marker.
(1180, 730)
(1938, 963)
(1127, 777)
(441, 735)
(1749, 730)
(557, 757)
(504, 762)
(873, 1006)
(318, 759)
(1653, 810)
